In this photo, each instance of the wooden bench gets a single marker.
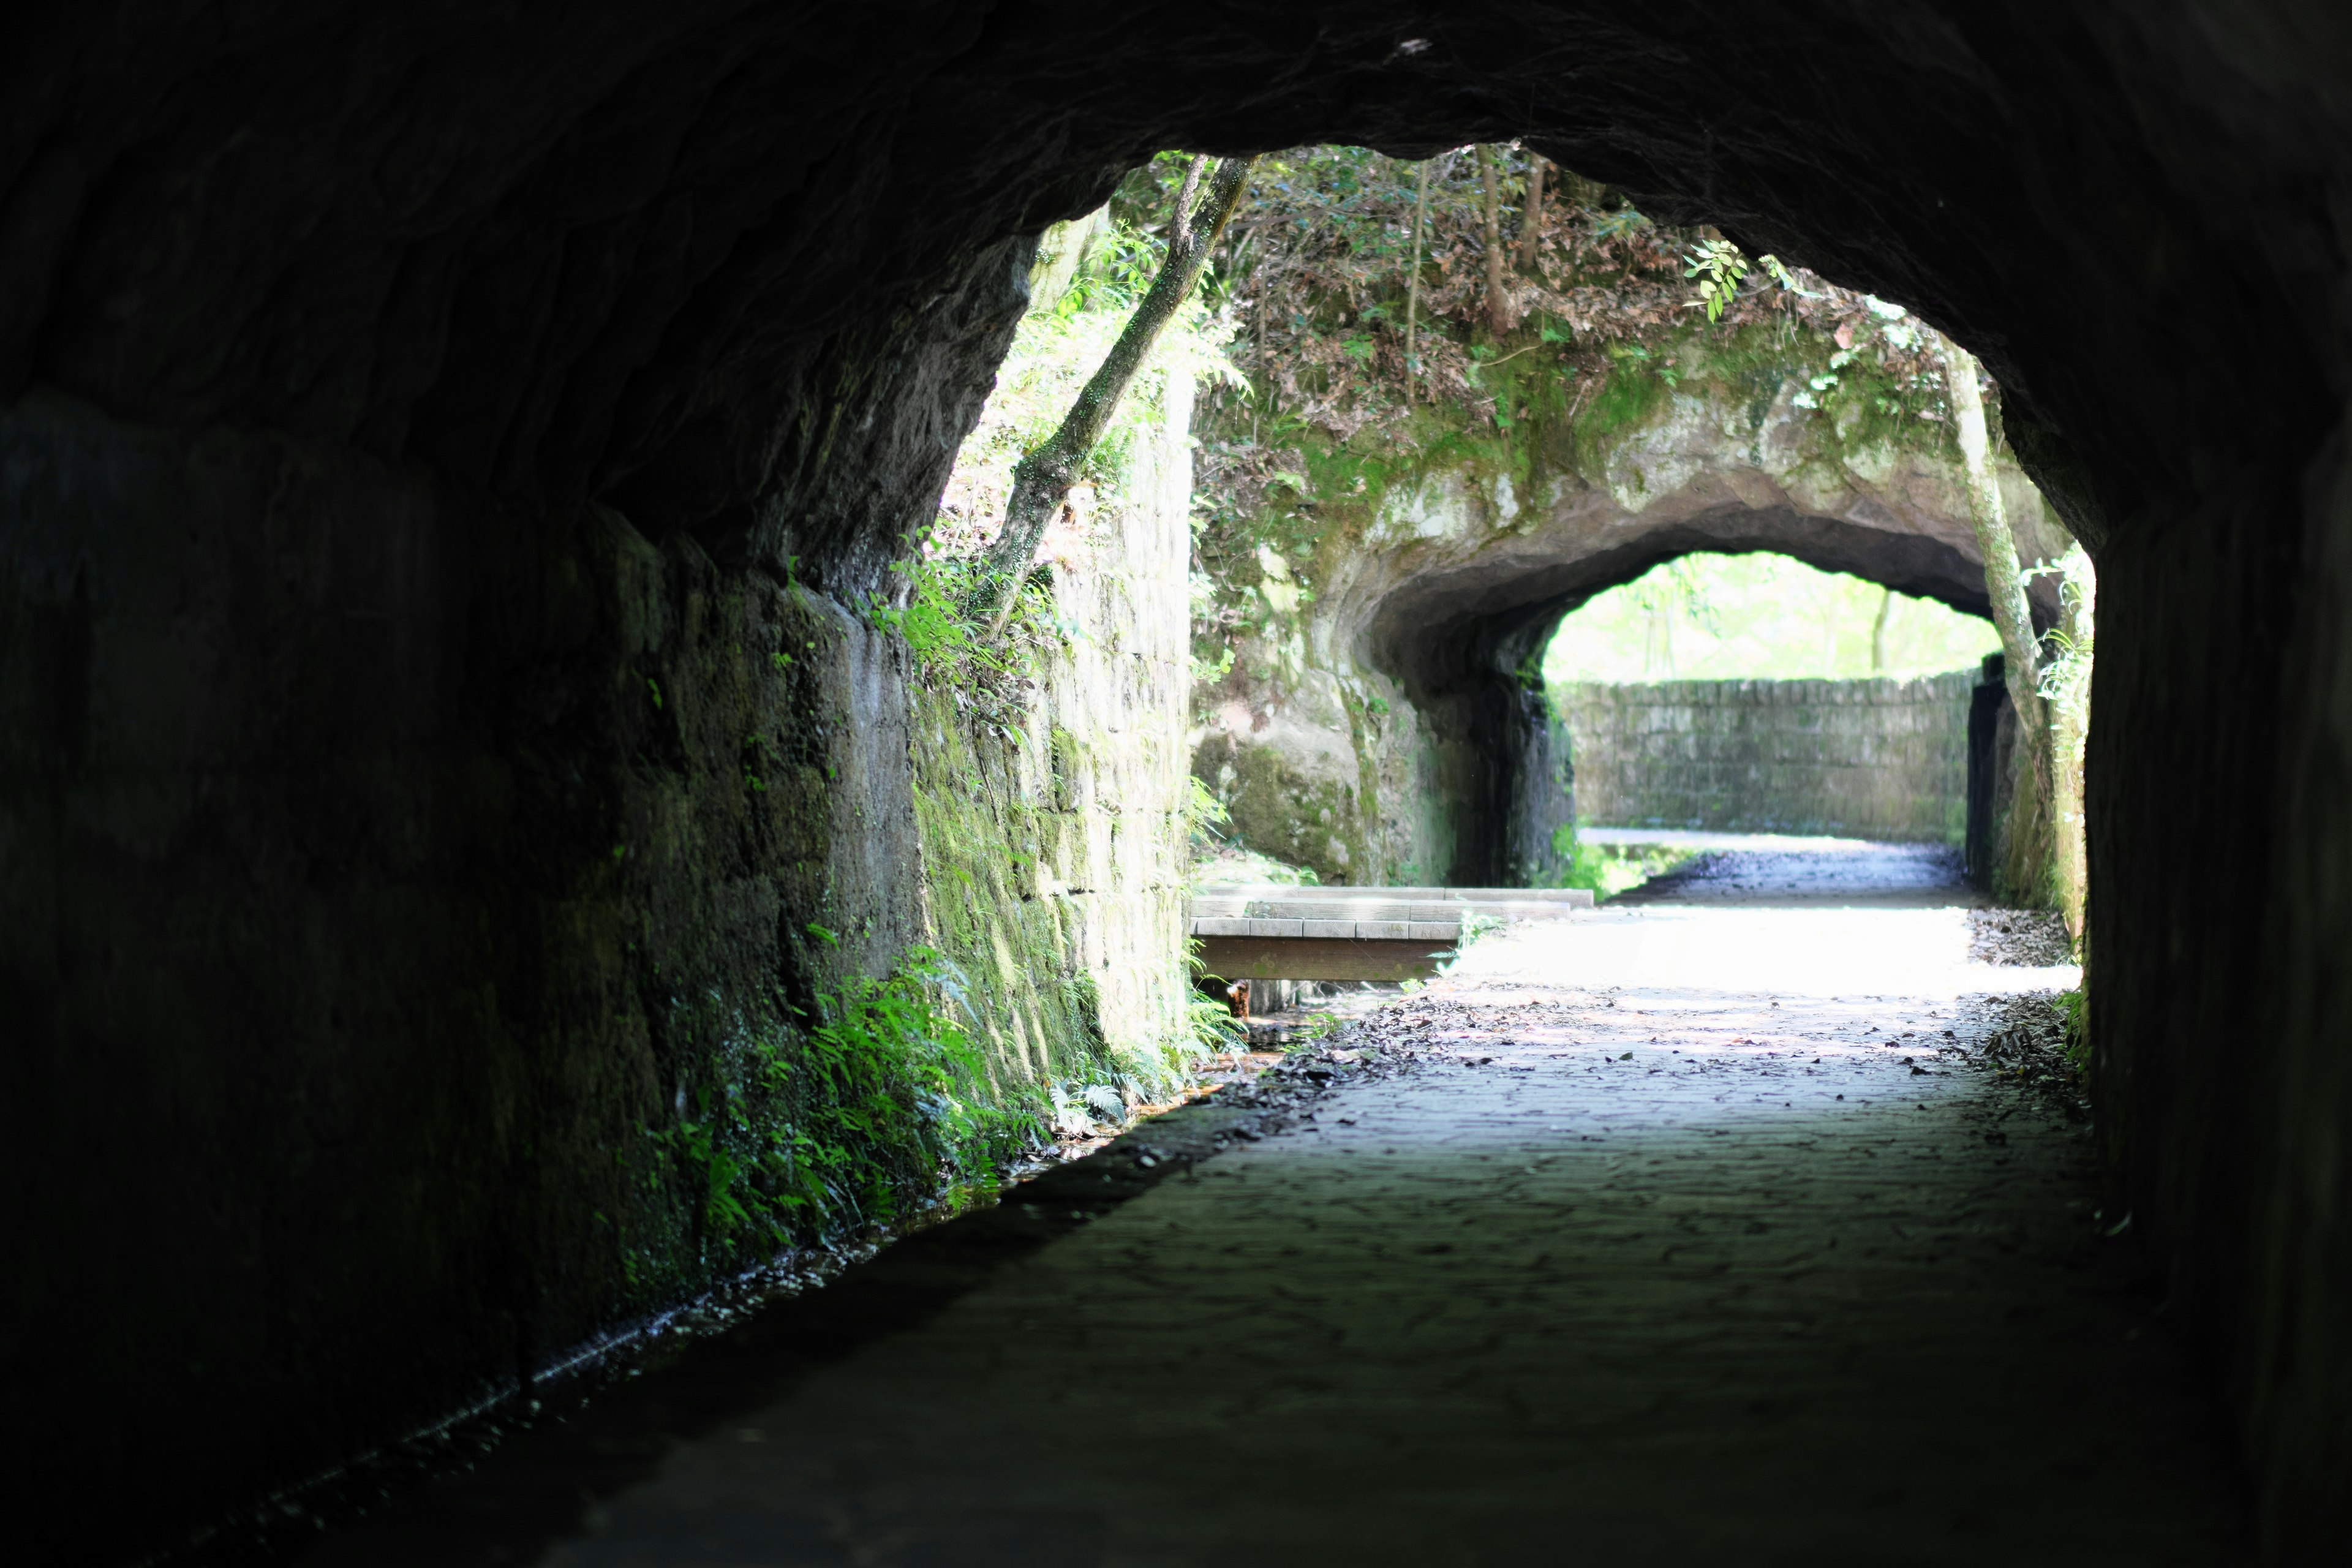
(1268, 932)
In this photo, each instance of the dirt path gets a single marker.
(1689, 1235)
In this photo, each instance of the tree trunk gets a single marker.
(2031, 859)
(1261, 384)
(1531, 223)
(1413, 287)
(1878, 632)
(1498, 305)
(2068, 685)
(1042, 480)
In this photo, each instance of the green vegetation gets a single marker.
(1608, 869)
(1758, 617)
(847, 1099)
(1215, 1027)
(1230, 863)
(843, 1118)
(1042, 478)
(990, 840)
(929, 616)
(1720, 267)
(2066, 686)
(1091, 276)
(1394, 383)
(998, 804)
(2074, 1009)
(1217, 859)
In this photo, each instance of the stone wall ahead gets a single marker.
(1865, 759)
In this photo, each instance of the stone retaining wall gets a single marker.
(1867, 759)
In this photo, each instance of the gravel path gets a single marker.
(1563, 1266)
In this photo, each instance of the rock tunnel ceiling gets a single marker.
(714, 263)
(320, 328)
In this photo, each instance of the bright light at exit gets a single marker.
(1759, 618)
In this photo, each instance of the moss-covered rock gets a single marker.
(1378, 602)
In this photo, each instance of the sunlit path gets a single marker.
(1818, 918)
(1697, 1232)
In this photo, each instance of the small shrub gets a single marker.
(1606, 870)
(2075, 1007)
(1213, 1026)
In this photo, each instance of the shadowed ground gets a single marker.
(1696, 1232)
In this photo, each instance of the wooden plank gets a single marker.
(1320, 958)
(1231, 919)
(1251, 891)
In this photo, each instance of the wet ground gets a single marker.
(1796, 873)
(1706, 1229)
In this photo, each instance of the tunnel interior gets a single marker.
(392, 396)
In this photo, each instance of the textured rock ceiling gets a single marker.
(740, 266)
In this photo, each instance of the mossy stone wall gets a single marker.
(1055, 847)
(406, 903)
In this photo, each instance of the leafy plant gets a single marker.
(758, 753)
(1213, 1025)
(988, 673)
(1312, 1031)
(1233, 863)
(1720, 266)
(843, 1117)
(1203, 812)
(2066, 679)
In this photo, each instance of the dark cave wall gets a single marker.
(374, 804)
(388, 877)
(321, 327)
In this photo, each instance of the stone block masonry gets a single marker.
(1055, 843)
(1861, 759)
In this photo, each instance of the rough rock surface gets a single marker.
(322, 326)
(1388, 730)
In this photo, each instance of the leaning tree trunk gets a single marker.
(2030, 861)
(1042, 480)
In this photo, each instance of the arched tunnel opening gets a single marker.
(445, 455)
(1463, 645)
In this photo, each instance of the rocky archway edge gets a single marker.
(1499, 750)
(1390, 725)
